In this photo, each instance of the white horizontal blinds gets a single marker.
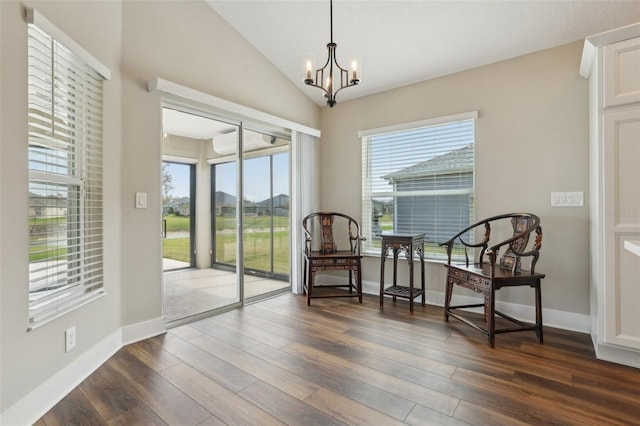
(65, 179)
(419, 180)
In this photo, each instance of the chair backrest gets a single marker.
(328, 232)
(522, 225)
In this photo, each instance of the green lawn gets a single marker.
(176, 248)
(39, 252)
(177, 223)
(38, 249)
(181, 223)
(257, 247)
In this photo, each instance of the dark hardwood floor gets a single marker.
(338, 362)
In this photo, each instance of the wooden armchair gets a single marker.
(488, 275)
(332, 244)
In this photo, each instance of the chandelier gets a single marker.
(324, 77)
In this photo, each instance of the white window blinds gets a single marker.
(418, 179)
(65, 178)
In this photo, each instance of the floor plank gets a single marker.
(280, 361)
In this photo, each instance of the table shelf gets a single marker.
(402, 291)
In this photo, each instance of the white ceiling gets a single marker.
(402, 42)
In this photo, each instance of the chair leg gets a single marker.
(447, 297)
(491, 320)
(350, 281)
(359, 283)
(539, 312)
(304, 275)
(309, 285)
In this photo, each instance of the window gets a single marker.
(418, 177)
(65, 174)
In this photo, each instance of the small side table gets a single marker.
(407, 243)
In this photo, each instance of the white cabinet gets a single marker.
(621, 78)
(611, 61)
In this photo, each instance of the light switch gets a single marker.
(141, 200)
(567, 199)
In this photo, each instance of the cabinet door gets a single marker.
(622, 223)
(622, 72)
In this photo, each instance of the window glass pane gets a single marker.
(281, 213)
(419, 181)
(225, 213)
(65, 179)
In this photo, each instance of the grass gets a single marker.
(47, 220)
(176, 249)
(177, 223)
(38, 248)
(181, 223)
(40, 252)
(257, 250)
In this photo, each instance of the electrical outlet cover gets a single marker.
(70, 338)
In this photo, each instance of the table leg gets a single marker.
(410, 256)
(382, 260)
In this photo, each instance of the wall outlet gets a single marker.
(70, 338)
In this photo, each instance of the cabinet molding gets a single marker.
(622, 73)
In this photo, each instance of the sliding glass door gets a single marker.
(227, 238)
(264, 210)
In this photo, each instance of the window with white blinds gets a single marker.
(65, 178)
(418, 178)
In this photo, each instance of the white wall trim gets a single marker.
(471, 115)
(36, 404)
(550, 317)
(592, 43)
(36, 18)
(179, 92)
(143, 330)
(33, 406)
(617, 354)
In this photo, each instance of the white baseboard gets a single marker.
(36, 404)
(550, 317)
(143, 330)
(616, 354)
(33, 406)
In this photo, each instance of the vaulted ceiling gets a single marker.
(401, 42)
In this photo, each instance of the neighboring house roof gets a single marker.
(280, 200)
(36, 200)
(224, 198)
(454, 161)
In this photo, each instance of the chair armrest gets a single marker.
(449, 243)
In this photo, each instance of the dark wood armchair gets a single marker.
(332, 244)
(489, 273)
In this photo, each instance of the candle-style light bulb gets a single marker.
(354, 72)
(309, 70)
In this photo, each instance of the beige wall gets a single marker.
(531, 139)
(532, 125)
(30, 358)
(186, 42)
